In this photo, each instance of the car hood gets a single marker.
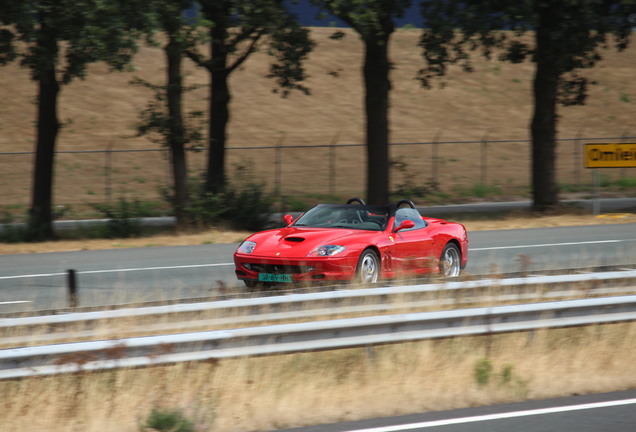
(295, 242)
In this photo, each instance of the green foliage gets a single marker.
(506, 373)
(123, 218)
(482, 190)
(242, 204)
(625, 183)
(562, 36)
(155, 120)
(56, 41)
(167, 421)
(92, 31)
(373, 19)
(408, 188)
(482, 371)
(243, 27)
(12, 233)
(297, 205)
(485, 374)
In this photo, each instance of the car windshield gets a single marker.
(351, 216)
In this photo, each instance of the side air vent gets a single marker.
(295, 239)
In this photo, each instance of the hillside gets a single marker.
(492, 102)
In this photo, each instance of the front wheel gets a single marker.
(450, 261)
(368, 270)
(250, 283)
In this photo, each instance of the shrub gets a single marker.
(167, 421)
(482, 371)
(123, 218)
(240, 205)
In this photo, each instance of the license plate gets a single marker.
(271, 277)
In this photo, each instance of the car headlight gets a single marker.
(247, 247)
(326, 250)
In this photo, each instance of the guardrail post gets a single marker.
(72, 288)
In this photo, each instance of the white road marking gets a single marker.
(498, 416)
(231, 264)
(547, 245)
(117, 270)
(15, 302)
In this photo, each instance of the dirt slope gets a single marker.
(494, 101)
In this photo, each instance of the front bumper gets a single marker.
(248, 267)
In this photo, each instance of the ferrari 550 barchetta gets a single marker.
(353, 242)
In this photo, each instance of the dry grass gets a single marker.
(494, 102)
(268, 393)
(293, 390)
(176, 239)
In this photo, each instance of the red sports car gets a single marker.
(353, 242)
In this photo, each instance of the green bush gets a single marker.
(12, 233)
(167, 421)
(123, 218)
(240, 206)
(407, 188)
(482, 371)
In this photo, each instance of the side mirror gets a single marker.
(288, 219)
(407, 224)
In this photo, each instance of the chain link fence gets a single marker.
(292, 168)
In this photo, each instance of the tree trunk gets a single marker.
(543, 127)
(177, 131)
(40, 214)
(219, 110)
(219, 118)
(377, 87)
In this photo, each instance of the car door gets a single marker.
(413, 247)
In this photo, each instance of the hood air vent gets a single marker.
(295, 239)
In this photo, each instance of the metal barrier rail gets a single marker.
(257, 305)
(312, 336)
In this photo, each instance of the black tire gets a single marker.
(250, 283)
(450, 261)
(368, 269)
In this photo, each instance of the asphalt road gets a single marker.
(607, 412)
(38, 281)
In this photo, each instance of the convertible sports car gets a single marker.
(353, 242)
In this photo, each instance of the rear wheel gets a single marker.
(450, 261)
(368, 270)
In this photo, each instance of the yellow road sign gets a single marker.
(610, 155)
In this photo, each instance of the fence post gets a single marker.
(484, 158)
(623, 140)
(108, 162)
(577, 157)
(277, 169)
(332, 164)
(434, 157)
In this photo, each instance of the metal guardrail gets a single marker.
(258, 305)
(312, 336)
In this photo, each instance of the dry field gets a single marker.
(293, 390)
(492, 103)
(266, 393)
